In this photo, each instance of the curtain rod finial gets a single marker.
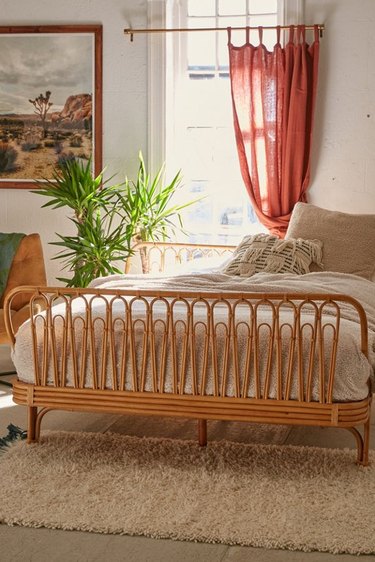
(129, 31)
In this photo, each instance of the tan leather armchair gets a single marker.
(27, 268)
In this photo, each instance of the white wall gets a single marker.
(343, 173)
(124, 103)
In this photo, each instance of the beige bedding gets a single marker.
(352, 368)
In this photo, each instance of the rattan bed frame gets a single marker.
(198, 404)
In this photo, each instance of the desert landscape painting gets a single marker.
(46, 103)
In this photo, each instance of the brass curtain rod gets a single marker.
(132, 32)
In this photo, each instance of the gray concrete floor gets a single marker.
(21, 544)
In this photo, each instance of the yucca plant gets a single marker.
(145, 206)
(98, 242)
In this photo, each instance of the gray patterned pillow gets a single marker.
(264, 252)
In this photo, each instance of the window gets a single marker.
(196, 122)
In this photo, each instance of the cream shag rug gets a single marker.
(270, 496)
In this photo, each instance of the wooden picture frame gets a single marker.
(50, 100)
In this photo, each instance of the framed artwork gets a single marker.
(50, 100)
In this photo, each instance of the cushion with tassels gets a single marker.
(264, 252)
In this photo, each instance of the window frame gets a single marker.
(167, 14)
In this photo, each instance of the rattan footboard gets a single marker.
(151, 353)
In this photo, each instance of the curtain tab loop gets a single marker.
(301, 34)
(229, 32)
(278, 32)
(260, 31)
(248, 35)
(291, 34)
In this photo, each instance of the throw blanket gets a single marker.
(9, 243)
(321, 282)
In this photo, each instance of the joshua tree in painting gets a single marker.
(42, 105)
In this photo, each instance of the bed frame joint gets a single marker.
(335, 414)
(30, 395)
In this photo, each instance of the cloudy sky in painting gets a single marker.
(32, 64)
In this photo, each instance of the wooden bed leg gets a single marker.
(202, 432)
(38, 422)
(363, 443)
(32, 414)
(359, 441)
(366, 443)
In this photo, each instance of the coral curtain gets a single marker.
(273, 97)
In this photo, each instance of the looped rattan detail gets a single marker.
(178, 354)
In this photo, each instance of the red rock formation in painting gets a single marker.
(77, 110)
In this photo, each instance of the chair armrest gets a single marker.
(27, 268)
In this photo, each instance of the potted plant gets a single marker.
(109, 220)
(99, 241)
(145, 206)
